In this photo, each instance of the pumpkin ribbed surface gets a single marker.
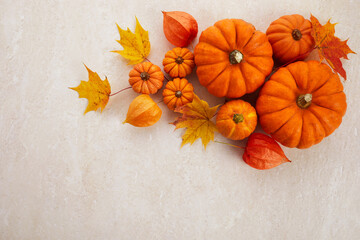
(290, 38)
(236, 119)
(178, 92)
(178, 62)
(146, 78)
(301, 104)
(232, 58)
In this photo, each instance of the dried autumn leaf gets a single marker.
(97, 91)
(136, 45)
(196, 119)
(329, 46)
(263, 152)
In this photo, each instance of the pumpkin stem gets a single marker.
(238, 118)
(235, 57)
(304, 100)
(178, 94)
(296, 34)
(144, 76)
(179, 60)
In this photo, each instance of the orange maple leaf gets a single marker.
(329, 46)
(97, 91)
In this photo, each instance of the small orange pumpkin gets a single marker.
(178, 62)
(146, 78)
(178, 92)
(301, 104)
(232, 58)
(236, 119)
(290, 38)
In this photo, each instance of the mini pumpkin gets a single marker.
(178, 62)
(146, 78)
(290, 38)
(178, 92)
(232, 58)
(301, 104)
(236, 119)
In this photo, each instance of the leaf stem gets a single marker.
(229, 144)
(120, 91)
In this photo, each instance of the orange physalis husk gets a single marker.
(143, 112)
(180, 28)
(262, 152)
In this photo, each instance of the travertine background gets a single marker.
(64, 175)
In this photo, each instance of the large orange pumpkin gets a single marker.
(236, 119)
(301, 104)
(290, 38)
(232, 58)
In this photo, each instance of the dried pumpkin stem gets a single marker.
(304, 100)
(178, 94)
(237, 118)
(179, 60)
(144, 76)
(296, 34)
(235, 57)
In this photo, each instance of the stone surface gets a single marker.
(64, 175)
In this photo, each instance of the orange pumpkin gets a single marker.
(178, 92)
(290, 38)
(236, 119)
(301, 104)
(146, 78)
(178, 62)
(232, 58)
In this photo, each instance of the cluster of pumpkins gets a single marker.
(298, 106)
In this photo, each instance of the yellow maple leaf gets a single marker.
(196, 119)
(136, 45)
(97, 91)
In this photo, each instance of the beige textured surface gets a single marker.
(68, 176)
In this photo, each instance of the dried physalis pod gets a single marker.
(262, 152)
(180, 28)
(143, 112)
